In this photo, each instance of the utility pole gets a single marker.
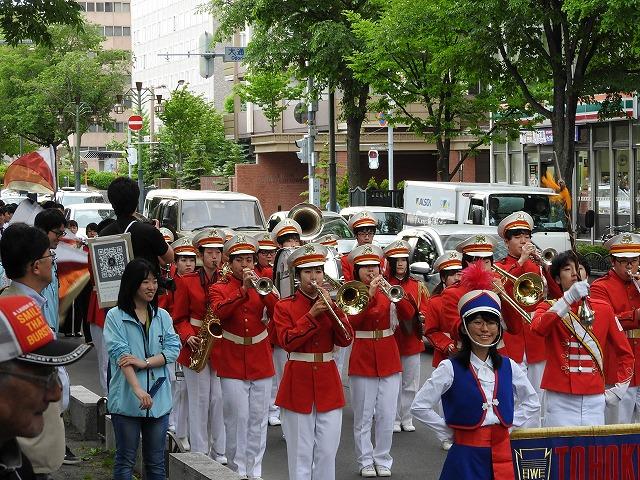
(140, 170)
(314, 196)
(76, 163)
(390, 156)
(333, 190)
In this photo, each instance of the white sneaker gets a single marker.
(368, 471)
(383, 471)
(185, 443)
(397, 428)
(221, 459)
(446, 444)
(273, 421)
(408, 428)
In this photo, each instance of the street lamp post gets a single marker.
(141, 96)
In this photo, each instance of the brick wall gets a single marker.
(277, 179)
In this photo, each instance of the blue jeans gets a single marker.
(127, 432)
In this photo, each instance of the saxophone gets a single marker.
(209, 330)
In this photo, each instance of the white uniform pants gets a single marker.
(369, 396)
(312, 443)
(566, 410)
(629, 406)
(279, 359)
(97, 337)
(534, 374)
(206, 424)
(408, 388)
(178, 418)
(340, 356)
(246, 407)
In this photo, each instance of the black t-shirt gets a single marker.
(147, 241)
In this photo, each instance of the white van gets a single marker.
(390, 222)
(186, 210)
(432, 203)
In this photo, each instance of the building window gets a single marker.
(108, 6)
(83, 6)
(117, 7)
(108, 31)
(126, 7)
(117, 31)
(91, 7)
(99, 7)
(126, 31)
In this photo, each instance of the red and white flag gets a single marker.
(33, 172)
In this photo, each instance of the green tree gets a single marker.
(285, 34)
(37, 84)
(30, 20)
(552, 54)
(271, 91)
(413, 54)
(194, 167)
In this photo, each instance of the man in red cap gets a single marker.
(29, 355)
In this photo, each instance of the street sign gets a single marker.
(132, 155)
(373, 159)
(382, 119)
(135, 123)
(233, 54)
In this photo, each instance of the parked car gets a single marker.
(67, 197)
(85, 213)
(184, 210)
(332, 222)
(390, 222)
(428, 243)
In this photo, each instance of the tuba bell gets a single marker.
(309, 217)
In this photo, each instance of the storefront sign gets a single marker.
(536, 137)
(577, 453)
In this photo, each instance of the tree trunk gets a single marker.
(354, 111)
(353, 151)
(444, 150)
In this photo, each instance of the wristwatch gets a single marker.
(146, 360)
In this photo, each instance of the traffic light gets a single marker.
(303, 152)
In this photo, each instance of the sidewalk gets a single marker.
(97, 463)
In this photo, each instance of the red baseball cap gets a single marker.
(26, 336)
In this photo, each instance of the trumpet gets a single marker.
(544, 257)
(528, 290)
(395, 293)
(335, 317)
(634, 278)
(263, 285)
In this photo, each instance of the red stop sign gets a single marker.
(135, 123)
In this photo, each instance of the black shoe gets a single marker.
(70, 458)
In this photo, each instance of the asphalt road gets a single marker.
(416, 455)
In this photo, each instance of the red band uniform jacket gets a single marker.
(410, 344)
(436, 329)
(240, 313)
(563, 348)
(625, 301)
(305, 384)
(376, 357)
(525, 341)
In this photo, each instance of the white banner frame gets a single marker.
(111, 252)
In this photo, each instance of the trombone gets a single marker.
(634, 278)
(352, 297)
(528, 290)
(335, 317)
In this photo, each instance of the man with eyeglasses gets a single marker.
(618, 289)
(29, 383)
(363, 225)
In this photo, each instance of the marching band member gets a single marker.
(204, 394)
(185, 262)
(573, 376)
(619, 290)
(449, 267)
(374, 365)
(310, 394)
(525, 347)
(264, 268)
(409, 335)
(247, 370)
(483, 393)
(363, 225)
(287, 233)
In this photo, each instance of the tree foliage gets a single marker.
(550, 55)
(413, 55)
(192, 140)
(38, 83)
(30, 20)
(270, 90)
(288, 33)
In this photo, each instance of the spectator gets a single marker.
(92, 230)
(147, 240)
(138, 363)
(73, 226)
(3, 209)
(29, 383)
(9, 210)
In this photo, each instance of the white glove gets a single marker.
(577, 291)
(611, 398)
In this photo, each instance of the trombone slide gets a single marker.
(335, 317)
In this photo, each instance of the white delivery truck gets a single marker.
(433, 203)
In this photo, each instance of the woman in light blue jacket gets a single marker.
(141, 341)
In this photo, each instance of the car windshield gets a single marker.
(77, 199)
(336, 225)
(389, 223)
(85, 217)
(231, 213)
(449, 242)
(548, 215)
